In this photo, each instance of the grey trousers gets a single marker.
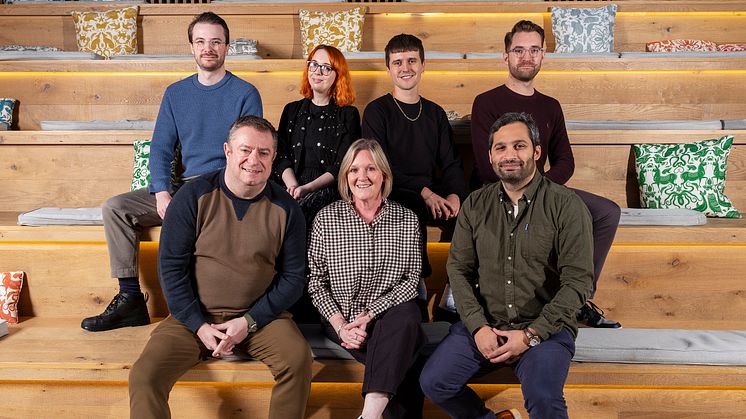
(173, 349)
(125, 216)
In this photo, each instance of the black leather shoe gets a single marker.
(592, 316)
(126, 309)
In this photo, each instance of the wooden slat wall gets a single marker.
(592, 95)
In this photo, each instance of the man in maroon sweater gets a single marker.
(524, 53)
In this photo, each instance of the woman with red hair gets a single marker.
(316, 131)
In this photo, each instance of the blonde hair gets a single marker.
(379, 158)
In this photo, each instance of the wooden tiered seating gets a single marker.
(658, 277)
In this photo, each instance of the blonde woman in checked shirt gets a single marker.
(365, 264)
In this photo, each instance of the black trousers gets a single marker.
(391, 359)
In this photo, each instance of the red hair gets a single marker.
(341, 89)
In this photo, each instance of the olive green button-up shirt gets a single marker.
(530, 270)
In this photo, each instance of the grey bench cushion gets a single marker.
(47, 55)
(644, 125)
(125, 124)
(662, 217)
(429, 55)
(550, 55)
(661, 346)
(157, 57)
(61, 216)
(734, 124)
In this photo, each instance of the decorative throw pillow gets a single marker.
(113, 32)
(242, 46)
(681, 45)
(343, 30)
(690, 176)
(141, 165)
(10, 291)
(584, 30)
(6, 112)
(731, 47)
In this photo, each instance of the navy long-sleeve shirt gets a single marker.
(220, 254)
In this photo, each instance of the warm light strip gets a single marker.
(664, 244)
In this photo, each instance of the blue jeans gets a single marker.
(542, 371)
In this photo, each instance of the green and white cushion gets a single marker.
(141, 168)
(690, 175)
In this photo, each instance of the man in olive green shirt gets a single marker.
(520, 266)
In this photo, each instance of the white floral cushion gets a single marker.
(731, 47)
(242, 46)
(113, 32)
(141, 165)
(584, 29)
(10, 291)
(18, 48)
(342, 30)
(690, 175)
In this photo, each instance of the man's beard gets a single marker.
(523, 75)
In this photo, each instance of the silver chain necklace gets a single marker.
(396, 102)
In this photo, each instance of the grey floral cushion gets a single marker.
(690, 175)
(27, 48)
(242, 46)
(584, 29)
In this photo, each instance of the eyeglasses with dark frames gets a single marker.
(313, 66)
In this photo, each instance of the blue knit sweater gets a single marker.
(199, 118)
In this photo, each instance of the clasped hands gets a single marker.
(353, 334)
(441, 208)
(500, 345)
(222, 338)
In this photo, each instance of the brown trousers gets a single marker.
(173, 349)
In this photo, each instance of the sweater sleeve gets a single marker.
(561, 159)
(290, 280)
(162, 147)
(176, 259)
(449, 161)
(482, 119)
(252, 104)
(374, 124)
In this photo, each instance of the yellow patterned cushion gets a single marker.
(342, 30)
(113, 32)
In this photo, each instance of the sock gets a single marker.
(129, 285)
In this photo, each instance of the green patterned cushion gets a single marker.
(688, 176)
(141, 170)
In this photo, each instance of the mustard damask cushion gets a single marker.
(342, 30)
(113, 32)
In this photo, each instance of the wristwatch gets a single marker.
(252, 323)
(533, 340)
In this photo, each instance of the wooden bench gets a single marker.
(589, 89)
(443, 26)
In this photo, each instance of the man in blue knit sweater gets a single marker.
(196, 114)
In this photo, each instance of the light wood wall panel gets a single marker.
(583, 95)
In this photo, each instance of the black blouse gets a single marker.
(315, 138)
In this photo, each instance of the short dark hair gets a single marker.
(404, 43)
(257, 122)
(211, 18)
(523, 26)
(511, 117)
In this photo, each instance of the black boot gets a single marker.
(126, 309)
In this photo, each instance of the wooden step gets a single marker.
(649, 280)
(584, 94)
(440, 25)
(84, 168)
(51, 365)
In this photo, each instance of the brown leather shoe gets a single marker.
(509, 414)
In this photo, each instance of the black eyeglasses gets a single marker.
(325, 69)
(534, 51)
